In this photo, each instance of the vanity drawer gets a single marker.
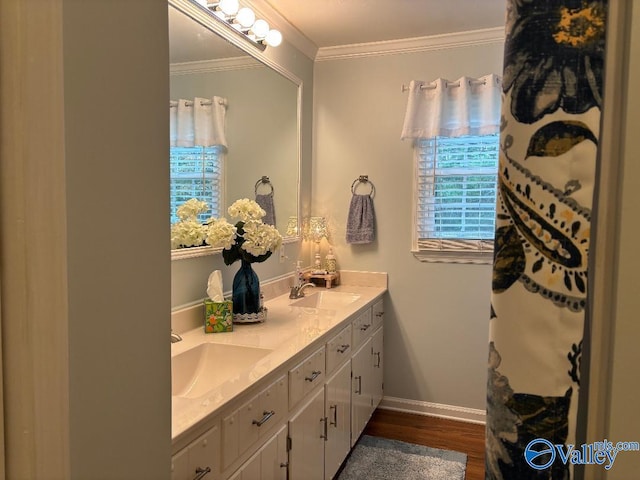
(253, 420)
(338, 349)
(306, 375)
(378, 313)
(361, 328)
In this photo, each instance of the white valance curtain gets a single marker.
(467, 106)
(198, 122)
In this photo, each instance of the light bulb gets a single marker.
(245, 17)
(274, 38)
(260, 28)
(229, 7)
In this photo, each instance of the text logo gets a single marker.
(540, 453)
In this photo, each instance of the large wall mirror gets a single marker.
(262, 116)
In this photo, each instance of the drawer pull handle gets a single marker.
(335, 415)
(315, 374)
(365, 327)
(201, 472)
(324, 427)
(359, 389)
(267, 416)
(377, 365)
(379, 314)
(343, 348)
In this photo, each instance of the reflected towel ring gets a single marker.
(264, 181)
(363, 179)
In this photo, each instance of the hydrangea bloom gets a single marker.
(260, 238)
(187, 233)
(246, 210)
(190, 209)
(221, 233)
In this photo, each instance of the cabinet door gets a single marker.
(274, 457)
(361, 400)
(338, 419)
(306, 429)
(377, 381)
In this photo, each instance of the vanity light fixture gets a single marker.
(243, 20)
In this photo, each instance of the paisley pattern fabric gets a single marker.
(552, 99)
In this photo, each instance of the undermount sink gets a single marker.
(202, 368)
(326, 300)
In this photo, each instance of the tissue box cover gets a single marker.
(218, 316)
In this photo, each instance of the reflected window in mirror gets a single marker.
(197, 172)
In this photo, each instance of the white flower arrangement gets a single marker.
(249, 239)
(188, 231)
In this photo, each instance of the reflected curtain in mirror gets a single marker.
(198, 146)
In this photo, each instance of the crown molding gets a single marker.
(412, 45)
(290, 33)
(216, 65)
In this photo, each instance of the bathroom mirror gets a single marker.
(262, 118)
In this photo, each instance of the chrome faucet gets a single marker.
(297, 291)
(175, 337)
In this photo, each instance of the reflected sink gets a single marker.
(202, 368)
(326, 300)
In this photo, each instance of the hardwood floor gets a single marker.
(433, 432)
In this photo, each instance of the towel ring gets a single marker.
(363, 179)
(264, 181)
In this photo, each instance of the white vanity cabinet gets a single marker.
(305, 376)
(367, 368)
(338, 349)
(243, 427)
(270, 462)
(200, 460)
(337, 421)
(307, 432)
(301, 422)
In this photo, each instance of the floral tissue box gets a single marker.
(218, 316)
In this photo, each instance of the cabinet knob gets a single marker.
(343, 348)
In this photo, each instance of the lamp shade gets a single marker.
(317, 228)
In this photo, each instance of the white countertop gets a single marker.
(287, 331)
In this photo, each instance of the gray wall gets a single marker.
(437, 315)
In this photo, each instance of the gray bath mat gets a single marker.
(375, 458)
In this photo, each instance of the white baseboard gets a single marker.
(462, 414)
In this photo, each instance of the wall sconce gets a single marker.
(243, 21)
(316, 231)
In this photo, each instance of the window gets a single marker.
(456, 181)
(196, 172)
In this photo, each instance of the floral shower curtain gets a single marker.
(552, 99)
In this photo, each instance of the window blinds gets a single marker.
(456, 185)
(196, 172)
